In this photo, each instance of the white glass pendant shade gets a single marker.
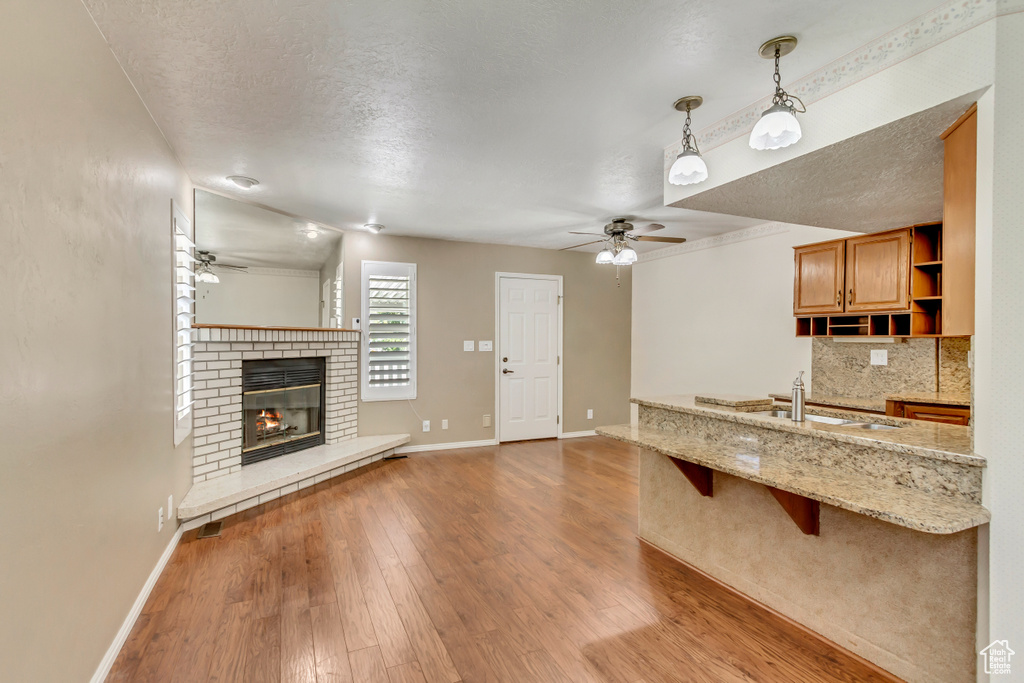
(208, 277)
(626, 257)
(689, 168)
(605, 256)
(776, 128)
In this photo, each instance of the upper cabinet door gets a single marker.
(878, 272)
(818, 284)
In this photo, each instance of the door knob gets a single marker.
(506, 371)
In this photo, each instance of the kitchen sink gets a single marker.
(810, 418)
(826, 420)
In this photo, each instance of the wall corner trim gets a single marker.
(129, 622)
(752, 233)
(576, 435)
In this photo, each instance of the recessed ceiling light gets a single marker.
(244, 182)
(312, 234)
(373, 227)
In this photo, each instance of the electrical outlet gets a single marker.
(426, 425)
(160, 520)
(487, 420)
(467, 346)
(170, 507)
(444, 424)
(879, 357)
(590, 413)
(486, 346)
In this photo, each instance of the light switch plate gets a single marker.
(486, 346)
(355, 323)
(590, 413)
(467, 346)
(879, 357)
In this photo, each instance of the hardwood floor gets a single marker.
(516, 564)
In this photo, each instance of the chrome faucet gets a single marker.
(798, 398)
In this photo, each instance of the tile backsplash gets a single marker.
(844, 369)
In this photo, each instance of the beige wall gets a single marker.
(456, 302)
(85, 343)
(720, 319)
(900, 598)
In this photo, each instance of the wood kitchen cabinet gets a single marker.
(959, 192)
(820, 273)
(878, 272)
(930, 412)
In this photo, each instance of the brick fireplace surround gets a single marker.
(217, 387)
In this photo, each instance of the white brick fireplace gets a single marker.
(217, 383)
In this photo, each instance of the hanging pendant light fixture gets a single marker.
(778, 126)
(689, 168)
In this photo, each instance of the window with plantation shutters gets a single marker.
(184, 286)
(389, 331)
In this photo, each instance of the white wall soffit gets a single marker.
(763, 230)
(944, 54)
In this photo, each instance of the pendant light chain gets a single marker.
(689, 139)
(781, 96)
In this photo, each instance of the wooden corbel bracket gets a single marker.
(800, 509)
(701, 477)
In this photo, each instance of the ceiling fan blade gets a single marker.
(600, 234)
(642, 238)
(649, 228)
(229, 267)
(580, 245)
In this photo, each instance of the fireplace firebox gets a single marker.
(282, 407)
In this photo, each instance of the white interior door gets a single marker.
(528, 332)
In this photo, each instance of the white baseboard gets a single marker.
(575, 435)
(419, 448)
(140, 602)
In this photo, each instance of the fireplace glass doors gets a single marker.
(282, 407)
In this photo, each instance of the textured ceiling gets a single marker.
(506, 122)
(886, 178)
(241, 234)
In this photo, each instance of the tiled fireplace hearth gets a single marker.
(219, 354)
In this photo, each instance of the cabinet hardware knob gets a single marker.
(850, 299)
(839, 297)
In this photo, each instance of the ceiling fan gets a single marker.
(206, 262)
(617, 233)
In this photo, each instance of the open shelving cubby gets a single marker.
(926, 281)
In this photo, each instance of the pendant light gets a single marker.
(689, 168)
(605, 256)
(778, 126)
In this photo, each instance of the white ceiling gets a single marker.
(240, 234)
(505, 122)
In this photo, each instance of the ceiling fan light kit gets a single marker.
(689, 167)
(606, 255)
(778, 126)
(626, 257)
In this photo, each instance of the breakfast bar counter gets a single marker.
(864, 530)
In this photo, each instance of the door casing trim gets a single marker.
(497, 343)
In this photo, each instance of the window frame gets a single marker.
(183, 287)
(370, 394)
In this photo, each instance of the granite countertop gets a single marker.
(925, 439)
(859, 493)
(875, 405)
(878, 404)
(937, 397)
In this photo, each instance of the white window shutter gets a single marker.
(184, 287)
(389, 331)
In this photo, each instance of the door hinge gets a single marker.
(559, 361)
(558, 419)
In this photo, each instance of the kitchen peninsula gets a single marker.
(864, 533)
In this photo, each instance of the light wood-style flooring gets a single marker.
(516, 564)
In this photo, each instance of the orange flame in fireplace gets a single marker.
(268, 421)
